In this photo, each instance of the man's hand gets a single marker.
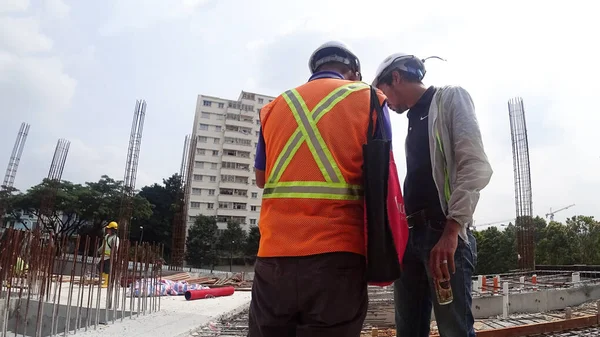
(441, 257)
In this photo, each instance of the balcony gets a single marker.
(232, 212)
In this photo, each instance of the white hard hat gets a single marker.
(397, 61)
(333, 51)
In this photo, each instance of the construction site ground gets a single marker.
(177, 317)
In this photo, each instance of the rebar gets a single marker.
(80, 295)
(71, 283)
(34, 267)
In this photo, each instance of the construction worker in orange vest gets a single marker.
(310, 270)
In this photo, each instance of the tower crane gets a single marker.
(493, 223)
(550, 214)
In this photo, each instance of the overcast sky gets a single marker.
(73, 69)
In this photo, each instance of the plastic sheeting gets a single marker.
(155, 287)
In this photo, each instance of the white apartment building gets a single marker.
(222, 181)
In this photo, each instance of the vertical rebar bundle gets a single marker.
(55, 288)
(15, 156)
(523, 193)
(59, 159)
(180, 217)
(131, 165)
(55, 172)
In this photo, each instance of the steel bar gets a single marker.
(49, 254)
(81, 293)
(133, 282)
(91, 289)
(142, 283)
(126, 277)
(71, 284)
(102, 258)
(63, 263)
(23, 279)
(162, 254)
(33, 258)
(10, 274)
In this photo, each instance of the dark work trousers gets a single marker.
(312, 296)
(106, 266)
(414, 292)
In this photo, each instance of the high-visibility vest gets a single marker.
(312, 199)
(110, 242)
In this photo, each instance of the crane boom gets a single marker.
(551, 213)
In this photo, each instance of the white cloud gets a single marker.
(21, 35)
(9, 6)
(535, 49)
(135, 15)
(57, 8)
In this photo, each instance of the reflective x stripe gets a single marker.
(293, 144)
(313, 190)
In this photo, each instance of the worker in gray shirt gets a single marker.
(446, 169)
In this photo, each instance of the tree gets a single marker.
(202, 241)
(7, 198)
(75, 208)
(164, 200)
(252, 242)
(233, 239)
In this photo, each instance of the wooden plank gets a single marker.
(540, 328)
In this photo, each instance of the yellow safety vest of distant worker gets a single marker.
(110, 241)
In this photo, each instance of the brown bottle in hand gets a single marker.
(443, 290)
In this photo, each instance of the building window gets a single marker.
(213, 179)
(215, 153)
(211, 192)
(202, 139)
(221, 105)
(205, 115)
(216, 140)
(253, 181)
(254, 195)
(270, 100)
(197, 177)
(199, 164)
(207, 103)
(201, 151)
(204, 127)
(213, 166)
(258, 122)
(220, 117)
(260, 100)
(195, 205)
(210, 205)
(218, 128)
(253, 221)
(196, 191)
(257, 133)
(253, 208)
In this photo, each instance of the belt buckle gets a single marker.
(418, 215)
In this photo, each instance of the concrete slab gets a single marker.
(177, 317)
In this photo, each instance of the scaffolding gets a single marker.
(131, 165)
(523, 195)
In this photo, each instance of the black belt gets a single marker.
(420, 218)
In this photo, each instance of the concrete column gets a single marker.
(522, 282)
(575, 278)
(505, 302)
(480, 283)
(534, 281)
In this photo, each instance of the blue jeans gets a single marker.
(414, 292)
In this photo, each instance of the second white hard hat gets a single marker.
(333, 51)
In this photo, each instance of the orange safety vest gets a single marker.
(312, 199)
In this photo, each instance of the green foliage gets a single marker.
(252, 241)
(165, 200)
(233, 239)
(575, 242)
(74, 207)
(201, 242)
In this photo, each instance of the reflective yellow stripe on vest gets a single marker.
(334, 186)
(107, 247)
